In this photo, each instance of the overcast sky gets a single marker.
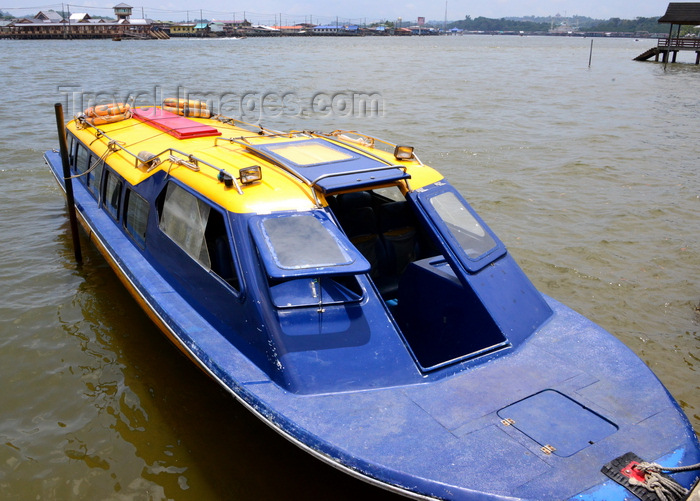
(356, 10)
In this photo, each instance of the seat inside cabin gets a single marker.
(385, 231)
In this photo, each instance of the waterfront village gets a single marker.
(49, 24)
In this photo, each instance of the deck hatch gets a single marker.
(329, 166)
(557, 423)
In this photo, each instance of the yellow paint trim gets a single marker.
(277, 191)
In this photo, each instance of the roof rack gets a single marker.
(149, 160)
(341, 136)
(358, 168)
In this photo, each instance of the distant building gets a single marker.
(48, 16)
(292, 30)
(183, 29)
(227, 28)
(79, 17)
(5, 27)
(122, 11)
(202, 29)
(49, 24)
(325, 28)
(336, 29)
(422, 30)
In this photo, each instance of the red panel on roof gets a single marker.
(174, 124)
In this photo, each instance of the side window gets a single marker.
(71, 149)
(94, 176)
(82, 160)
(220, 249)
(184, 219)
(112, 193)
(199, 230)
(136, 217)
(86, 164)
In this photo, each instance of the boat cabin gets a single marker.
(349, 283)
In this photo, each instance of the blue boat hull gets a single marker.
(449, 436)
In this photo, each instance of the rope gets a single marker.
(111, 148)
(644, 466)
(666, 489)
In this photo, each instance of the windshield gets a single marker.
(304, 245)
(463, 234)
(463, 226)
(302, 242)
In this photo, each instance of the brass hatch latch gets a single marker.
(548, 449)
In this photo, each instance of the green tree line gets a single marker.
(638, 25)
(488, 24)
(641, 24)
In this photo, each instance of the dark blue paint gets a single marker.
(343, 382)
(553, 419)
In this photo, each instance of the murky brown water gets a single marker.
(590, 176)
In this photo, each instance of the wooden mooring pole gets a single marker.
(668, 51)
(67, 181)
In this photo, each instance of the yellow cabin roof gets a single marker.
(122, 142)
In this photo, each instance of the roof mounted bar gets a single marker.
(340, 137)
(190, 161)
(314, 182)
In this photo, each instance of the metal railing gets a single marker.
(153, 160)
(680, 43)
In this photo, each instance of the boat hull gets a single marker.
(449, 438)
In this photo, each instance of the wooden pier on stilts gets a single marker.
(677, 14)
(666, 47)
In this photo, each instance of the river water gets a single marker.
(588, 174)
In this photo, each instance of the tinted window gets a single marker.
(199, 230)
(219, 248)
(184, 219)
(82, 159)
(72, 141)
(463, 225)
(136, 217)
(112, 193)
(94, 176)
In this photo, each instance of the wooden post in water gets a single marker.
(67, 181)
(590, 54)
(668, 47)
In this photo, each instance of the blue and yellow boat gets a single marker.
(349, 296)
